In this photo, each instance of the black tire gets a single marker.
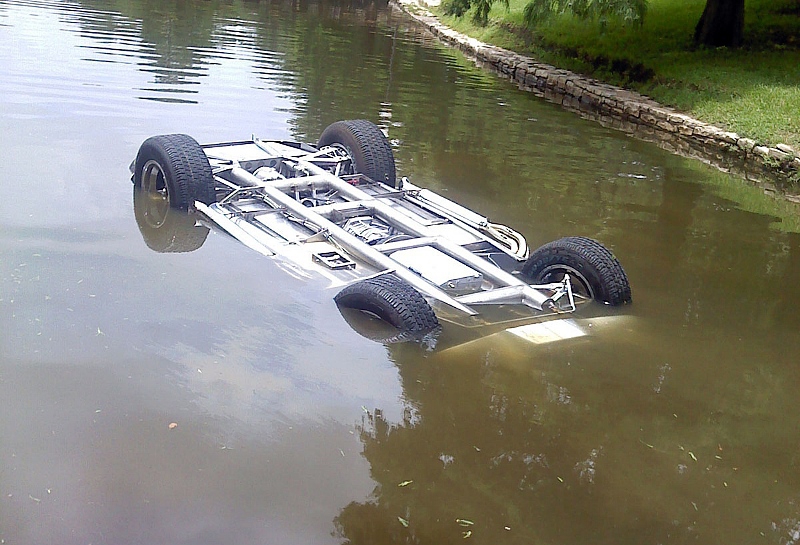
(598, 273)
(174, 166)
(393, 300)
(163, 228)
(366, 145)
(378, 330)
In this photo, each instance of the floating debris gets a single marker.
(403, 521)
(405, 483)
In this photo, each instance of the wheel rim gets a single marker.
(580, 285)
(156, 194)
(342, 151)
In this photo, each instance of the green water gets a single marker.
(676, 423)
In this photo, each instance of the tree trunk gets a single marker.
(722, 24)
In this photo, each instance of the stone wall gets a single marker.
(777, 167)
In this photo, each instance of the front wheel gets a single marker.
(174, 168)
(364, 143)
(594, 271)
(394, 301)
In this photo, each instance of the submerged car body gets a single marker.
(336, 209)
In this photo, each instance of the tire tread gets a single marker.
(373, 156)
(393, 300)
(596, 262)
(187, 168)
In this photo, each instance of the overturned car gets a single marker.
(397, 252)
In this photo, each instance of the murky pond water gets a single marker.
(677, 424)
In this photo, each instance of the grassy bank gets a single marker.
(754, 91)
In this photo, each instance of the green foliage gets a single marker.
(629, 11)
(482, 8)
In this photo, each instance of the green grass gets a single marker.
(754, 90)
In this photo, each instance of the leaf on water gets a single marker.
(464, 522)
(405, 483)
(403, 521)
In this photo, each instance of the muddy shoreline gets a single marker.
(775, 168)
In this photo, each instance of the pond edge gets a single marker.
(775, 168)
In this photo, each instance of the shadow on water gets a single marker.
(607, 438)
(505, 445)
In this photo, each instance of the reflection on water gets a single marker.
(676, 426)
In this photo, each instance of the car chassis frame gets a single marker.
(337, 210)
(250, 199)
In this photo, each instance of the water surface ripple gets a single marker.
(674, 425)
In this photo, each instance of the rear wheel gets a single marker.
(594, 271)
(174, 168)
(394, 301)
(171, 173)
(369, 151)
